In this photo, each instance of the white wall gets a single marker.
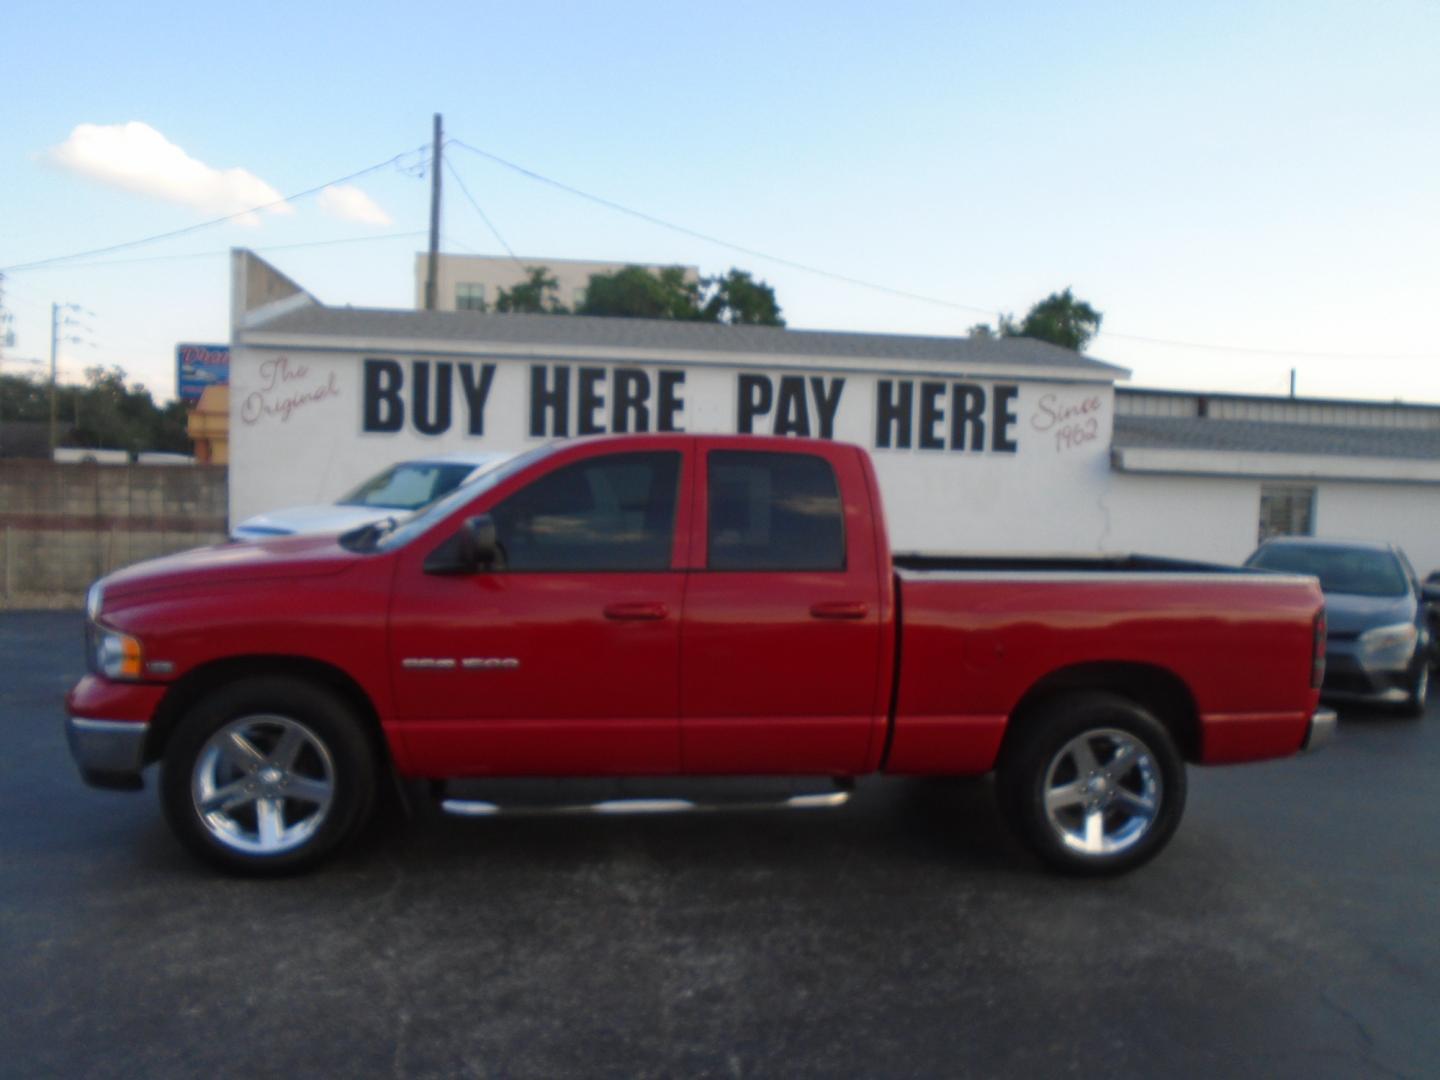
(1184, 517)
(297, 437)
(1404, 514)
(1217, 519)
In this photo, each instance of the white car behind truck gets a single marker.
(396, 492)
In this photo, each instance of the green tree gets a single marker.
(738, 299)
(103, 413)
(638, 293)
(1059, 319)
(538, 294)
(108, 412)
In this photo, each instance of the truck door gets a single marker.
(781, 644)
(564, 662)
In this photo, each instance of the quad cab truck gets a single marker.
(679, 606)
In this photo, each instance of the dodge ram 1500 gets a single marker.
(668, 606)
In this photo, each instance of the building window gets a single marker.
(577, 299)
(469, 296)
(1286, 511)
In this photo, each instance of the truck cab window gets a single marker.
(613, 513)
(770, 511)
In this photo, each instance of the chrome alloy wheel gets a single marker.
(1102, 792)
(263, 784)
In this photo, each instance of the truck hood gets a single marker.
(229, 564)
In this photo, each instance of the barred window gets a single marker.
(1286, 510)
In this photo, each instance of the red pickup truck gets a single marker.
(679, 606)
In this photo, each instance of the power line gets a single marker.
(483, 216)
(206, 224)
(904, 293)
(226, 251)
(652, 219)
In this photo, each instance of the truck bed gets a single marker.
(1225, 647)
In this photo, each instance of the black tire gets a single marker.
(1138, 799)
(1414, 706)
(301, 779)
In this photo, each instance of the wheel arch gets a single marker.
(1156, 689)
(205, 679)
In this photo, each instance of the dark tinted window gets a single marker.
(608, 513)
(774, 512)
(1355, 571)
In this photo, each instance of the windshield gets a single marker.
(1354, 571)
(409, 485)
(424, 519)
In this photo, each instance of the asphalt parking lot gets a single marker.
(1289, 931)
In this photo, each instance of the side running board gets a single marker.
(482, 808)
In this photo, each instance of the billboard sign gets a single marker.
(199, 366)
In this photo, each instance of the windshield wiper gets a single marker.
(367, 536)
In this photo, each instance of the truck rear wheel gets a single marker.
(1095, 784)
(267, 776)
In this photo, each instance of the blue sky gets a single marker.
(1252, 176)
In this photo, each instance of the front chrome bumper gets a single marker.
(1321, 730)
(110, 753)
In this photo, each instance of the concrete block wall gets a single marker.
(62, 526)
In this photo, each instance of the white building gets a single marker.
(1003, 446)
(473, 282)
(1248, 466)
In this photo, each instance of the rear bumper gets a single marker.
(1321, 729)
(109, 753)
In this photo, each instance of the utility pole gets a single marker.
(56, 323)
(433, 269)
(7, 339)
(7, 335)
(54, 345)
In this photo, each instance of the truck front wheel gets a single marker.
(267, 776)
(1094, 784)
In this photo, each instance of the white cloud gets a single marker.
(349, 203)
(135, 157)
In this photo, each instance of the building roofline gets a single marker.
(660, 339)
(528, 261)
(1275, 399)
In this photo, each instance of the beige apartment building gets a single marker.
(472, 282)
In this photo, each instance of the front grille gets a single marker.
(1347, 682)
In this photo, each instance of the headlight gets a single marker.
(1389, 647)
(117, 655)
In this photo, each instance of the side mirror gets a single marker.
(474, 548)
(479, 546)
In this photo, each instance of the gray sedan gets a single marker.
(1379, 638)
